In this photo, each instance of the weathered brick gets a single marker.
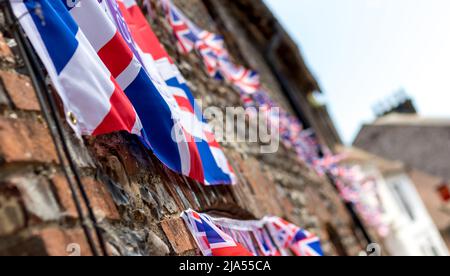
(51, 241)
(5, 52)
(12, 217)
(178, 235)
(37, 197)
(99, 196)
(20, 90)
(64, 196)
(60, 242)
(25, 140)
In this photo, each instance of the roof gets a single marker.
(419, 142)
(411, 119)
(355, 155)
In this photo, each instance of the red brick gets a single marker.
(20, 90)
(58, 242)
(26, 140)
(99, 196)
(178, 235)
(64, 196)
(5, 52)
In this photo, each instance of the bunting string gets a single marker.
(271, 236)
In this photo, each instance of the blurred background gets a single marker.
(383, 67)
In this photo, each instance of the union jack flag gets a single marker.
(246, 80)
(198, 155)
(266, 246)
(211, 240)
(183, 31)
(210, 47)
(290, 236)
(306, 244)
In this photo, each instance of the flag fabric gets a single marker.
(186, 38)
(271, 236)
(265, 244)
(306, 244)
(94, 103)
(292, 237)
(211, 240)
(202, 157)
(157, 109)
(245, 80)
(211, 48)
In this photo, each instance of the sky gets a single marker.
(363, 51)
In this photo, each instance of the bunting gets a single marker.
(270, 236)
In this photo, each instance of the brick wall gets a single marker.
(136, 200)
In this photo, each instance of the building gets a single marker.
(400, 134)
(411, 230)
(135, 200)
(425, 139)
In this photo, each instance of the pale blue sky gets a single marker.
(362, 51)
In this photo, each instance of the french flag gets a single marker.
(94, 102)
(201, 156)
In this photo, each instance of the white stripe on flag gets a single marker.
(83, 15)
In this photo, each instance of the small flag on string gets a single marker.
(290, 236)
(211, 240)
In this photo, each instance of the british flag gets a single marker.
(210, 57)
(186, 38)
(212, 49)
(246, 80)
(201, 156)
(288, 236)
(306, 244)
(265, 244)
(211, 240)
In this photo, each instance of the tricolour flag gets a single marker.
(93, 100)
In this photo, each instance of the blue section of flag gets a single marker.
(211, 234)
(57, 29)
(213, 174)
(156, 119)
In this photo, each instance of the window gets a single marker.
(403, 201)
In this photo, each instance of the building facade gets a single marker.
(410, 229)
(135, 199)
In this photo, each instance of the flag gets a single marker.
(265, 244)
(158, 110)
(211, 240)
(306, 244)
(186, 38)
(292, 237)
(202, 157)
(245, 80)
(211, 48)
(94, 103)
